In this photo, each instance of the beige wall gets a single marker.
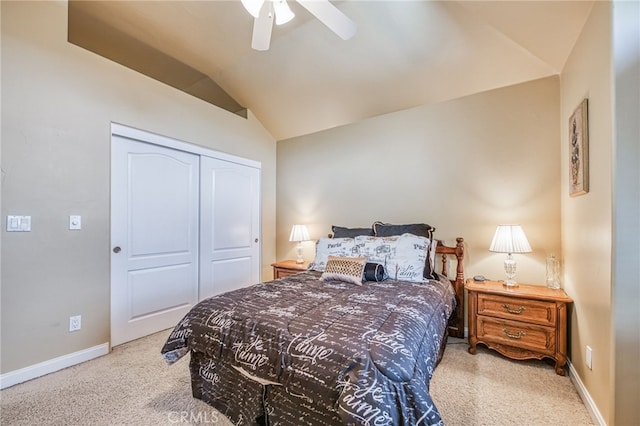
(463, 166)
(586, 219)
(58, 101)
(498, 151)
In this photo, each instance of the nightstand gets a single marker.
(288, 267)
(523, 322)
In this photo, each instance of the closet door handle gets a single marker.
(116, 249)
(255, 241)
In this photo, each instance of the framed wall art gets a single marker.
(579, 150)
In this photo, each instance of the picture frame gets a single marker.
(579, 150)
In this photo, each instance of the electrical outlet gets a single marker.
(588, 358)
(75, 323)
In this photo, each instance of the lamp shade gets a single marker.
(299, 233)
(510, 239)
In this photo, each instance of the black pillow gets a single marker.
(342, 232)
(373, 272)
(388, 230)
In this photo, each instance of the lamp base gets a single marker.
(510, 269)
(510, 283)
(299, 259)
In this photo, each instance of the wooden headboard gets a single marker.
(456, 321)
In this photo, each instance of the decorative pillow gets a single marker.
(377, 249)
(342, 232)
(347, 269)
(430, 264)
(373, 272)
(412, 252)
(325, 247)
(404, 257)
(388, 230)
(381, 229)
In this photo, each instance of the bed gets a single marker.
(314, 348)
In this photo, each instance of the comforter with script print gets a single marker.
(364, 353)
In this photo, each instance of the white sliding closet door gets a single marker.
(155, 237)
(230, 226)
(185, 225)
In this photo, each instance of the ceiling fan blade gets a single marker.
(331, 16)
(262, 26)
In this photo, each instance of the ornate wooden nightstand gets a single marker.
(288, 267)
(527, 321)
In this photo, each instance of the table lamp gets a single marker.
(510, 239)
(299, 234)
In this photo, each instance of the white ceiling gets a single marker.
(404, 54)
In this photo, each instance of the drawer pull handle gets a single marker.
(510, 335)
(513, 311)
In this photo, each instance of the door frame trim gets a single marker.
(168, 142)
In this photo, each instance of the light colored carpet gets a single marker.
(489, 389)
(134, 386)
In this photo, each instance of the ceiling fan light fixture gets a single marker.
(282, 11)
(253, 6)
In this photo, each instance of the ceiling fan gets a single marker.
(264, 12)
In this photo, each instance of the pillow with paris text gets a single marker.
(325, 247)
(381, 229)
(402, 256)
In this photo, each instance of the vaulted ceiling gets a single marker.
(404, 53)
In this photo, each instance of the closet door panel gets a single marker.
(230, 226)
(229, 274)
(231, 210)
(154, 233)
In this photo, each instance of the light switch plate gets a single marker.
(75, 222)
(18, 223)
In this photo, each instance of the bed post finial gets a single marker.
(460, 257)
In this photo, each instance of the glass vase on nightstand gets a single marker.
(553, 272)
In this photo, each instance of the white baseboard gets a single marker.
(586, 397)
(22, 375)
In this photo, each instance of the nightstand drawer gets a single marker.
(288, 267)
(513, 333)
(281, 273)
(534, 311)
